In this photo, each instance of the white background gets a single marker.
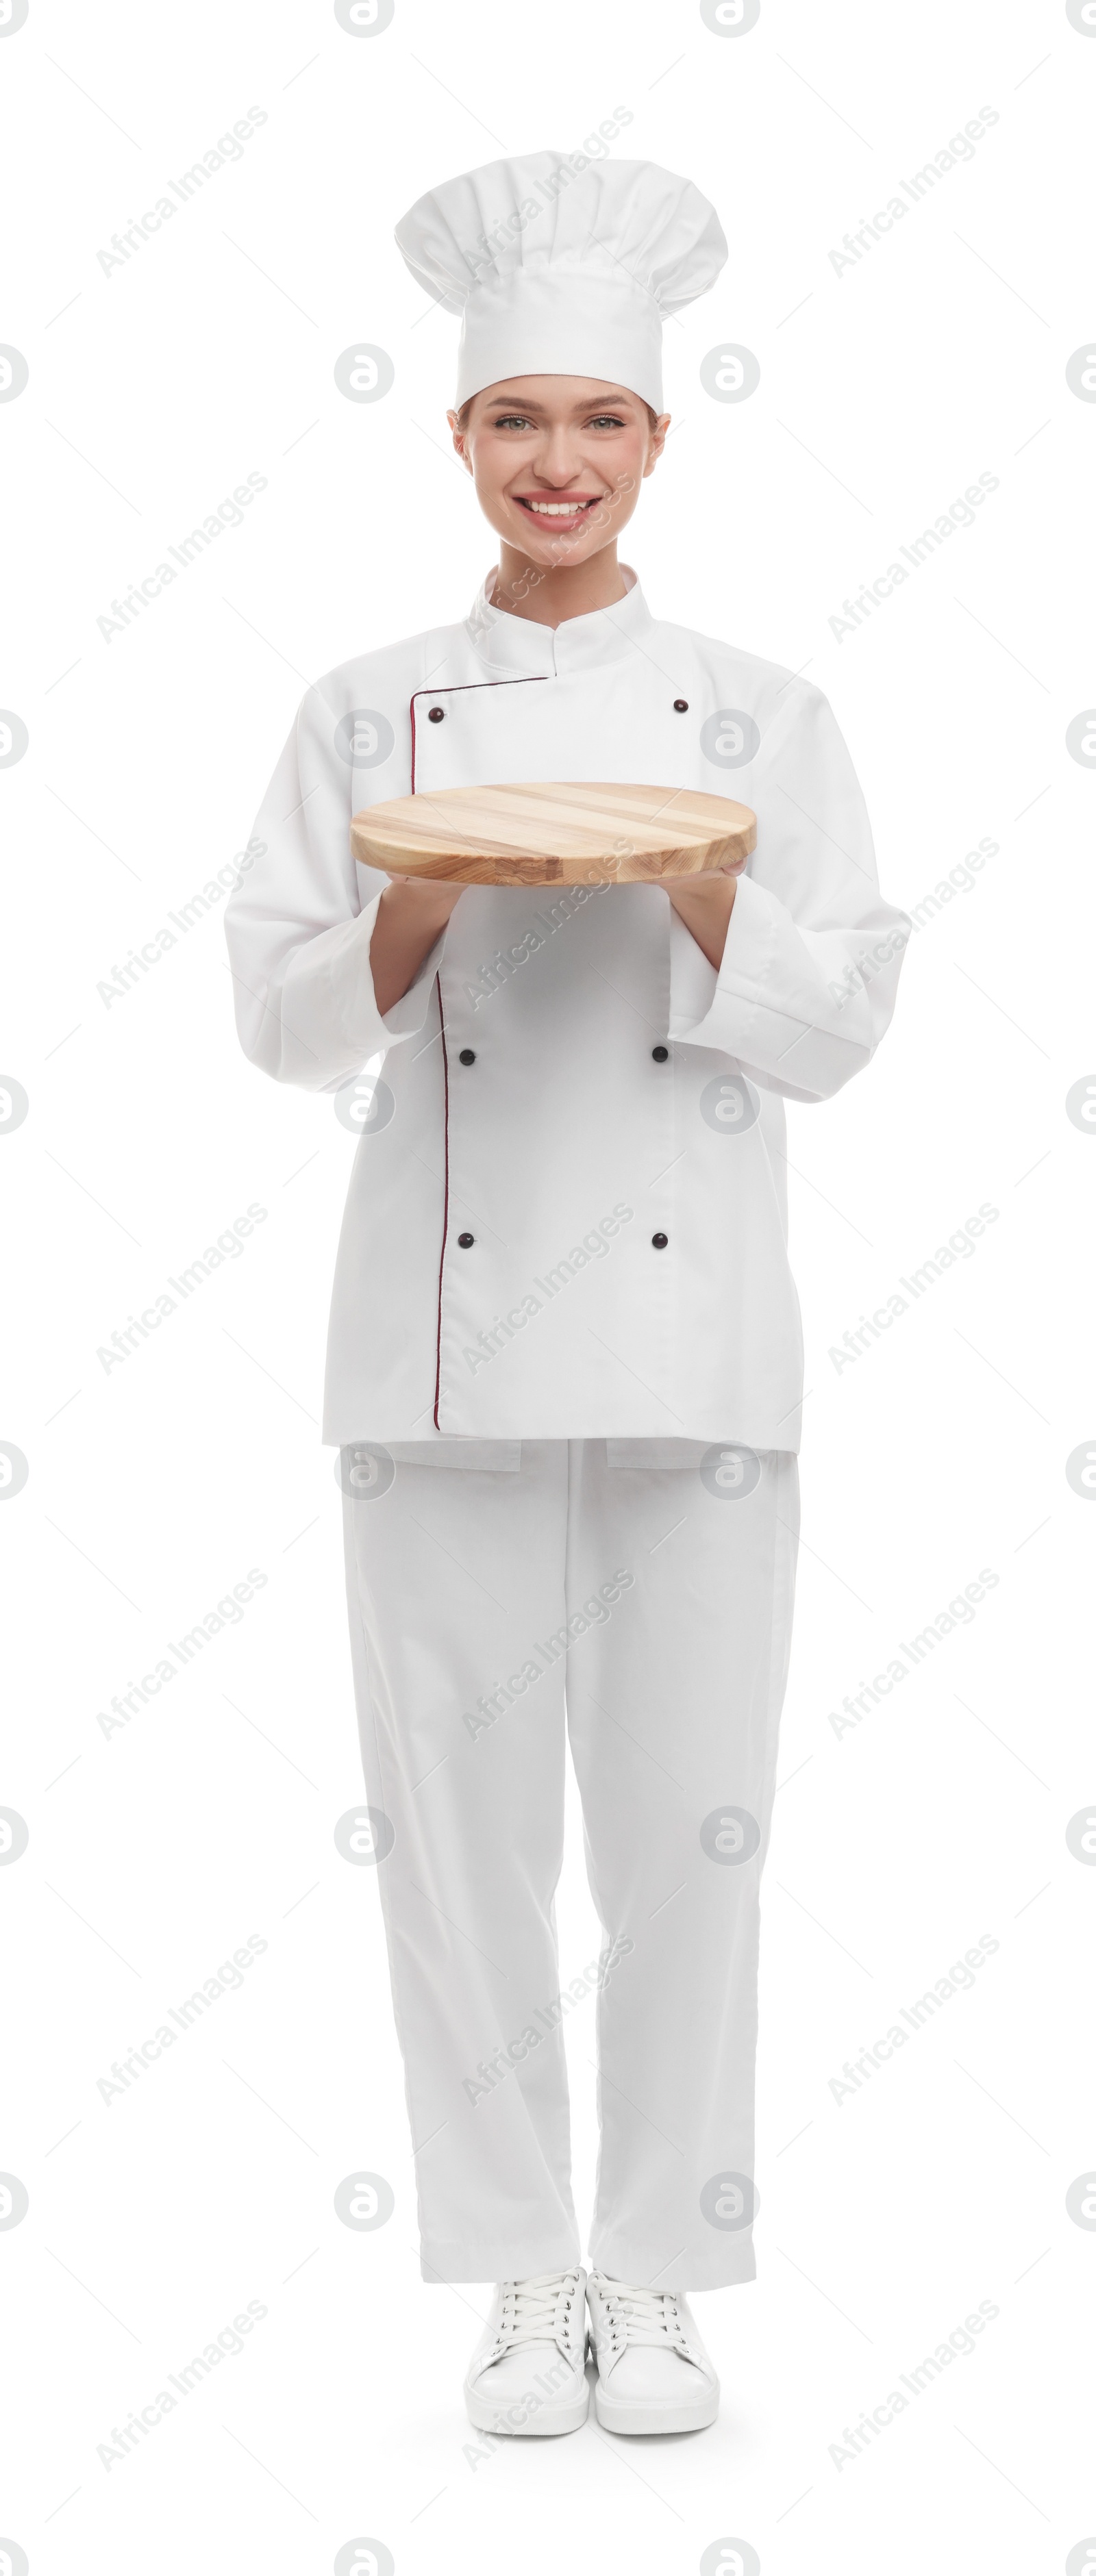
(156, 1485)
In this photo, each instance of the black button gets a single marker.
(437, 715)
(659, 1241)
(468, 1055)
(681, 706)
(467, 1240)
(660, 1054)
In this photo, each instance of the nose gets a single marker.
(556, 463)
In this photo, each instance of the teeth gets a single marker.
(555, 509)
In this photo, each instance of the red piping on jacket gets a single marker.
(456, 690)
(460, 685)
(445, 1210)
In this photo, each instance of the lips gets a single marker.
(562, 513)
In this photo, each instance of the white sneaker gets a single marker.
(528, 2371)
(653, 2374)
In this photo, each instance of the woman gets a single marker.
(565, 1367)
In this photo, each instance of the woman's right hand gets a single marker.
(410, 916)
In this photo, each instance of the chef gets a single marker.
(565, 1362)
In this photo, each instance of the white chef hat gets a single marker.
(563, 270)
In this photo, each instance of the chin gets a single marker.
(553, 553)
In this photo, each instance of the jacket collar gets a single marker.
(518, 646)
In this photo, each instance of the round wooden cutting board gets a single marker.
(553, 834)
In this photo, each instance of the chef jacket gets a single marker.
(567, 1213)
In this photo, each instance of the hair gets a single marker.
(462, 415)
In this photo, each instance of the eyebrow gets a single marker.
(600, 402)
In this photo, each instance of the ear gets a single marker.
(459, 441)
(658, 441)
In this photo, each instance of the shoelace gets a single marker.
(530, 2308)
(646, 2316)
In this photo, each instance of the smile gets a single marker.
(572, 509)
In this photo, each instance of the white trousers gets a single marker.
(648, 1608)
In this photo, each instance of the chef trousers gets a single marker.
(648, 1608)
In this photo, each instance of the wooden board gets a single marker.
(553, 834)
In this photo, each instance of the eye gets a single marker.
(606, 420)
(512, 420)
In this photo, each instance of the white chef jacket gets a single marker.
(567, 1213)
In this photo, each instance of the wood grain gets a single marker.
(555, 833)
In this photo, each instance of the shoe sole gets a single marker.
(692, 2416)
(566, 2417)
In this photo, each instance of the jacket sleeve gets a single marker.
(807, 982)
(299, 923)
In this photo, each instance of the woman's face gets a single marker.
(557, 462)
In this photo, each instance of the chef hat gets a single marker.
(558, 270)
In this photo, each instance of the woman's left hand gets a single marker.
(705, 904)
